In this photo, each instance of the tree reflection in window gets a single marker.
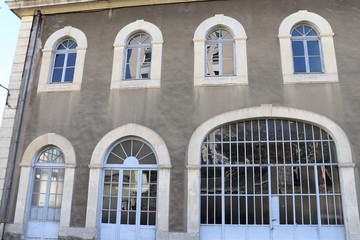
(248, 164)
(219, 53)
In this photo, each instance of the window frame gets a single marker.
(163, 172)
(344, 158)
(48, 57)
(240, 56)
(118, 80)
(66, 53)
(26, 168)
(138, 48)
(326, 42)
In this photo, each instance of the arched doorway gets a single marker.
(129, 191)
(270, 178)
(351, 223)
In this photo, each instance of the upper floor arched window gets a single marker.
(64, 62)
(219, 53)
(138, 57)
(307, 49)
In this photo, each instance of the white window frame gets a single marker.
(49, 50)
(117, 78)
(326, 35)
(344, 158)
(240, 60)
(27, 164)
(163, 171)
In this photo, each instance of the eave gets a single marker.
(29, 7)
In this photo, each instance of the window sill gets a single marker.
(219, 81)
(310, 78)
(135, 84)
(60, 87)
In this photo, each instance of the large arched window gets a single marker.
(219, 53)
(271, 147)
(138, 57)
(47, 192)
(129, 193)
(270, 173)
(306, 49)
(64, 62)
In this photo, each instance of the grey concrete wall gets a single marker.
(176, 109)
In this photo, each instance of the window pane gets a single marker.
(299, 64)
(59, 60)
(313, 48)
(315, 64)
(71, 60)
(69, 74)
(297, 48)
(145, 58)
(57, 75)
(212, 60)
(131, 56)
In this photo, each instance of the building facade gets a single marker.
(183, 120)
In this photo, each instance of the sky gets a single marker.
(9, 29)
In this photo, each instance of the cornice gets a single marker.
(29, 7)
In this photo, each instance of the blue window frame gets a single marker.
(306, 50)
(64, 62)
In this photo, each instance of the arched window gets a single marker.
(47, 193)
(306, 49)
(270, 173)
(64, 62)
(46, 186)
(129, 197)
(138, 57)
(219, 53)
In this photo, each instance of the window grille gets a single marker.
(257, 171)
(64, 62)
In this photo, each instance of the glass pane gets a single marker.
(57, 74)
(297, 48)
(71, 60)
(59, 60)
(299, 64)
(315, 64)
(313, 48)
(69, 74)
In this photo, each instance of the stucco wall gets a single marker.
(177, 108)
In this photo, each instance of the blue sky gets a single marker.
(9, 29)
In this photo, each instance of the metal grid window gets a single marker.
(306, 50)
(64, 62)
(130, 184)
(270, 172)
(220, 53)
(48, 186)
(138, 57)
